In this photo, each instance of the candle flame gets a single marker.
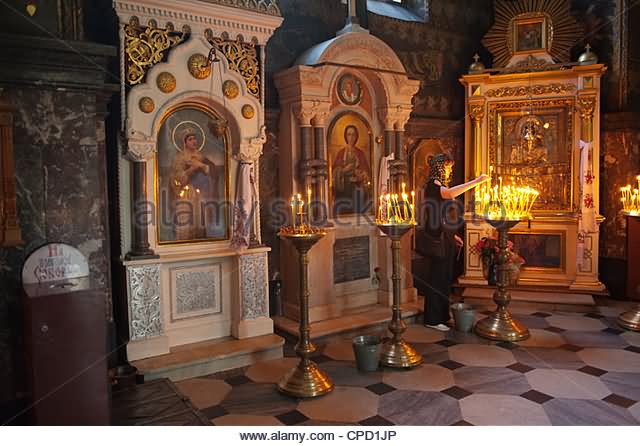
(630, 198)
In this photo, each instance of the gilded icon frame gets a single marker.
(562, 107)
(530, 23)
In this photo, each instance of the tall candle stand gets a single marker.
(500, 325)
(396, 352)
(305, 380)
(630, 320)
(396, 217)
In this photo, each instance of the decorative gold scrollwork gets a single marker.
(145, 47)
(476, 112)
(586, 106)
(531, 90)
(243, 59)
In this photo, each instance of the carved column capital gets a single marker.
(401, 115)
(320, 116)
(304, 112)
(394, 118)
(586, 106)
(386, 118)
(476, 112)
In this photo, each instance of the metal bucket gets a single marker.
(367, 352)
(464, 316)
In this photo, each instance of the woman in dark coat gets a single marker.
(440, 238)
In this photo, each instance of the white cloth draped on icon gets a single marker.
(244, 207)
(384, 177)
(587, 222)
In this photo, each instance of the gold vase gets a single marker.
(305, 380)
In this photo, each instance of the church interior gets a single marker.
(320, 212)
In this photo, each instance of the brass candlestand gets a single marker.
(396, 352)
(500, 325)
(305, 380)
(630, 319)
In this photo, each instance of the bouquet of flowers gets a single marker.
(488, 250)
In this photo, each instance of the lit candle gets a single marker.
(388, 216)
(405, 206)
(309, 206)
(413, 206)
(293, 212)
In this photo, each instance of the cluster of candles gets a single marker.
(505, 202)
(396, 208)
(631, 199)
(298, 221)
(185, 190)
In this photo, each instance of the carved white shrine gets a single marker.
(344, 106)
(193, 125)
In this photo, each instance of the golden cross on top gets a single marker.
(476, 58)
(588, 48)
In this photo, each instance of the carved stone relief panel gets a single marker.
(253, 287)
(145, 320)
(195, 291)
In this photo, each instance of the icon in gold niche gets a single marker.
(146, 104)
(166, 82)
(199, 66)
(248, 111)
(230, 89)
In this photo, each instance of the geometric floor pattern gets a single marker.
(575, 369)
(156, 403)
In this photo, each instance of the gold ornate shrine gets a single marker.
(534, 119)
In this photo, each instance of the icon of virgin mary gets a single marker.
(193, 183)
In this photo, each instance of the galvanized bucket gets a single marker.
(464, 316)
(367, 352)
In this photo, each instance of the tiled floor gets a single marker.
(576, 369)
(159, 403)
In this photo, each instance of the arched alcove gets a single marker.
(354, 79)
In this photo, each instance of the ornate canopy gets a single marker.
(546, 25)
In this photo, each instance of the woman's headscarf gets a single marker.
(436, 168)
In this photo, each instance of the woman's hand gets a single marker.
(483, 178)
(458, 240)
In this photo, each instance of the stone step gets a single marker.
(524, 300)
(203, 358)
(355, 320)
